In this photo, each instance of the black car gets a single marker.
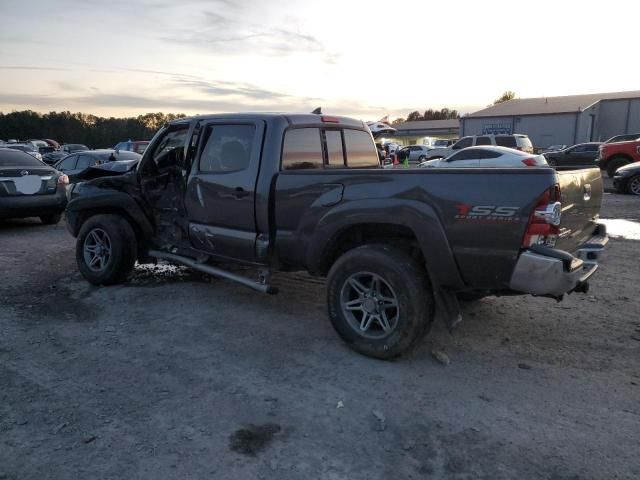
(583, 155)
(54, 157)
(30, 188)
(73, 147)
(627, 179)
(77, 163)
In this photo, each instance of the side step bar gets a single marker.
(216, 272)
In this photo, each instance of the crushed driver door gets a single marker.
(163, 175)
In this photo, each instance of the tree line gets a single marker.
(430, 114)
(91, 130)
(445, 113)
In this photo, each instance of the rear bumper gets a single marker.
(545, 271)
(21, 206)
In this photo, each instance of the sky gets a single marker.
(365, 59)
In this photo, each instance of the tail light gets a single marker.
(529, 162)
(544, 222)
(327, 119)
(63, 180)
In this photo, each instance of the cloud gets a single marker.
(229, 33)
(96, 102)
(30, 67)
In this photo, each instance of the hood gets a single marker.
(431, 163)
(109, 169)
(632, 167)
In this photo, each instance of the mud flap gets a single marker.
(447, 305)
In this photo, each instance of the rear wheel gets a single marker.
(614, 164)
(633, 185)
(51, 219)
(106, 249)
(380, 300)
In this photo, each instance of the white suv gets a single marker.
(516, 141)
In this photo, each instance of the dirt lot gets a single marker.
(179, 376)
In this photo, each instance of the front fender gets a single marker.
(91, 200)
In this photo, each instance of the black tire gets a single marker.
(614, 164)
(633, 185)
(51, 219)
(421, 159)
(122, 249)
(403, 279)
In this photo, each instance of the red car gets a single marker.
(137, 146)
(612, 156)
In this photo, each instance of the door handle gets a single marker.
(236, 193)
(240, 192)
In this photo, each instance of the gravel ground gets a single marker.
(176, 375)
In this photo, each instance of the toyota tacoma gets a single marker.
(307, 192)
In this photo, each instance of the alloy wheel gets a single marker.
(97, 249)
(370, 305)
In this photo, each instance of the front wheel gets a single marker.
(106, 249)
(633, 185)
(380, 300)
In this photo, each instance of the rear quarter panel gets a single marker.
(438, 205)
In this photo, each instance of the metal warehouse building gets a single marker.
(411, 133)
(560, 120)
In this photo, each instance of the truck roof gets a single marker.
(291, 118)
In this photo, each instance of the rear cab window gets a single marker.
(317, 148)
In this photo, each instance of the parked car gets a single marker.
(26, 148)
(624, 138)
(138, 146)
(627, 179)
(54, 157)
(554, 148)
(416, 153)
(487, 157)
(29, 188)
(443, 142)
(73, 147)
(612, 156)
(583, 155)
(517, 141)
(76, 164)
(395, 246)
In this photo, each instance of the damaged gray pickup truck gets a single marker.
(306, 192)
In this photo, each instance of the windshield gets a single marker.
(440, 143)
(12, 158)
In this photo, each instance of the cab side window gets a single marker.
(227, 149)
(302, 149)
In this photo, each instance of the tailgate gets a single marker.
(581, 197)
